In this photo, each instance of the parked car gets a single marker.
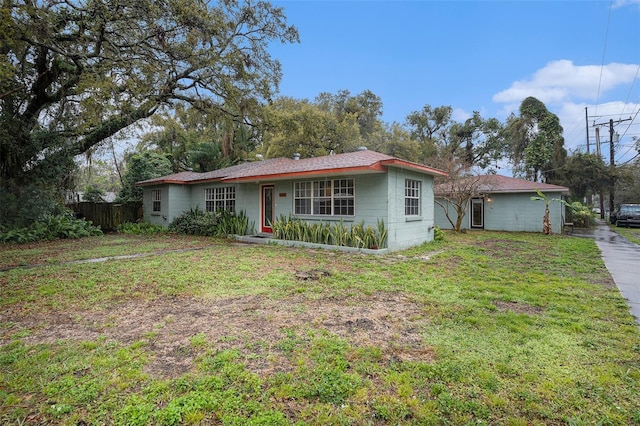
(626, 215)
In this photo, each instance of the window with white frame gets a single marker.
(324, 197)
(343, 197)
(156, 197)
(221, 198)
(411, 197)
(302, 197)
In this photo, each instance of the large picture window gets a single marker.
(324, 197)
(222, 198)
(156, 196)
(411, 197)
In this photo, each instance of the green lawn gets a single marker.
(632, 234)
(482, 328)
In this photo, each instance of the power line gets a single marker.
(625, 132)
(630, 160)
(626, 152)
(571, 135)
(630, 89)
(612, 157)
(605, 115)
(632, 120)
(604, 51)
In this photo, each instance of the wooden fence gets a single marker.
(108, 215)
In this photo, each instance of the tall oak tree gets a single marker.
(75, 72)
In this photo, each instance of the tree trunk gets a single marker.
(546, 221)
(458, 223)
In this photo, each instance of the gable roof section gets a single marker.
(503, 184)
(357, 162)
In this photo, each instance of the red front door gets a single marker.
(267, 201)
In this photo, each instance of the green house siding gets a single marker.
(441, 217)
(517, 212)
(172, 200)
(283, 198)
(370, 205)
(407, 231)
(510, 212)
(248, 200)
(179, 196)
(147, 202)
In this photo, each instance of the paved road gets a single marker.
(622, 259)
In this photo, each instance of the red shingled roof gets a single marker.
(364, 161)
(504, 184)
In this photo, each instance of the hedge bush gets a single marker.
(200, 222)
(140, 228)
(50, 228)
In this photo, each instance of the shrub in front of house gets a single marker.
(140, 228)
(583, 216)
(337, 234)
(205, 223)
(230, 223)
(50, 228)
(195, 222)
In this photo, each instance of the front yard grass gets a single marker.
(482, 328)
(632, 234)
(109, 245)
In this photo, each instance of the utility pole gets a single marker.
(586, 119)
(601, 194)
(612, 185)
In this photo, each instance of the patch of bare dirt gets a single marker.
(253, 325)
(501, 248)
(518, 308)
(603, 280)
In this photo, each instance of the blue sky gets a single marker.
(484, 56)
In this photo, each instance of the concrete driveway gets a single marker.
(622, 259)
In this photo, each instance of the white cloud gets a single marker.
(561, 81)
(621, 3)
(460, 115)
(567, 89)
(573, 120)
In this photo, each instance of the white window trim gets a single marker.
(409, 191)
(476, 200)
(212, 195)
(156, 200)
(333, 197)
